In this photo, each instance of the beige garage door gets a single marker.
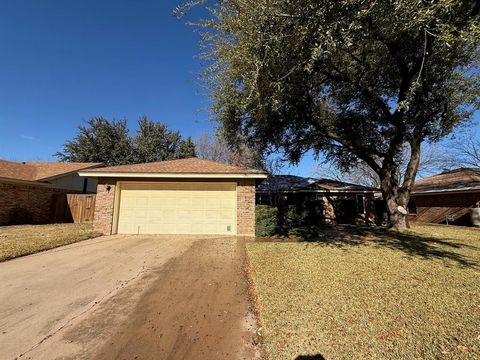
(177, 208)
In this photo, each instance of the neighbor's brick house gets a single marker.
(28, 189)
(188, 196)
(327, 201)
(450, 194)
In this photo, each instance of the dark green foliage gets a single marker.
(100, 140)
(290, 220)
(355, 80)
(295, 216)
(266, 218)
(109, 142)
(186, 149)
(155, 142)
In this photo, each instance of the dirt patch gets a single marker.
(197, 309)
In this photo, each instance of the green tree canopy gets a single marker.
(356, 80)
(99, 140)
(154, 141)
(109, 142)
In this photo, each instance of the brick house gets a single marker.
(28, 189)
(327, 201)
(448, 196)
(187, 196)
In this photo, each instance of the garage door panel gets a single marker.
(177, 208)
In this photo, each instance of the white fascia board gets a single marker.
(171, 175)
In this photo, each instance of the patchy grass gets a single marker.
(369, 293)
(23, 240)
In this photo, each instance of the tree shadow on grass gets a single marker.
(412, 244)
(310, 357)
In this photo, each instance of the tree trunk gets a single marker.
(397, 196)
(396, 211)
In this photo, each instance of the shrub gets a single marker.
(305, 232)
(295, 217)
(266, 218)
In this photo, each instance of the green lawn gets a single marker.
(365, 293)
(23, 240)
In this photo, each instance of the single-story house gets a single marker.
(187, 196)
(446, 198)
(28, 189)
(328, 201)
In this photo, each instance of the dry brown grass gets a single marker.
(23, 240)
(365, 293)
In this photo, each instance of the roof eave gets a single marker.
(441, 191)
(99, 174)
(22, 181)
(316, 191)
(48, 178)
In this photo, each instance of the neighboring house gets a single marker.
(28, 189)
(328, 201)
(188, 196)
(448, 196)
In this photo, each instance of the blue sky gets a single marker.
(64, 61)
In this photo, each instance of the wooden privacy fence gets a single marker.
(77, 208)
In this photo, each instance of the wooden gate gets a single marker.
(82, 207)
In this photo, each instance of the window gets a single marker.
(412, 207)
(360, 204)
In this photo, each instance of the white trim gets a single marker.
(116, 206)
(173, 175)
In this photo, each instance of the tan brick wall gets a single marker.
(246, 207)
(35, 200)
(104, 204)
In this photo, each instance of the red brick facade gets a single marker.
(105, 202)
(434, 208)
(22, 203)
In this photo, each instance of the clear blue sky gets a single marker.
(63, 61)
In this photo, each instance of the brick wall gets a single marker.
(26, 203)
(105, 200)
(104, 204)
(436, 207)
(246, 207)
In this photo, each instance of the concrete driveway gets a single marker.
(91, 299)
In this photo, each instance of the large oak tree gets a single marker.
(356, 80)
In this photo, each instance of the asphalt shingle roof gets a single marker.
(189, 165)
(38, 171)
(298, 183)
(454, 180)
